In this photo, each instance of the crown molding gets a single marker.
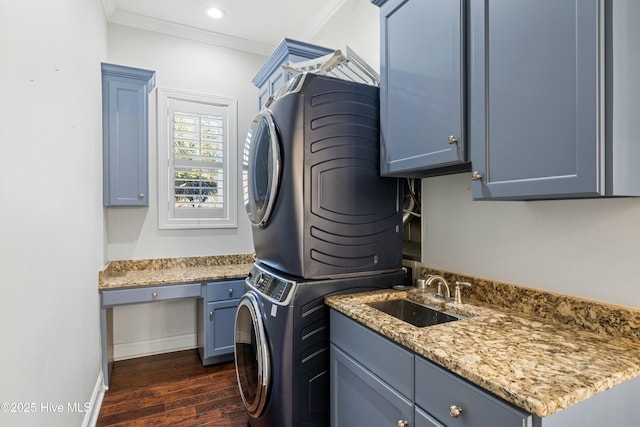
(327, 13)
(284, 49)
(183, 31)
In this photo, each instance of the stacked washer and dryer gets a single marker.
(324, 223)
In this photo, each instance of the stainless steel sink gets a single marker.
(415, 314)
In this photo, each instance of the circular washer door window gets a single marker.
(261, 169)
(253, 364)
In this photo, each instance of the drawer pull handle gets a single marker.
(476, 176)
(452, 139)
(211, 315)
(154, 295)
(230, 292)
(455, 411)
(402, 423)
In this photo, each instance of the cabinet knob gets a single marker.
(230, 292)
(475, 176)
(452, 139)
(402, 423)
(211, 315)
(141, 196)
(455, 411)
(154, 295)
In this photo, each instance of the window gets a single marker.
(197, 151)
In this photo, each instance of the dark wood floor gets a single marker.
(172, 389)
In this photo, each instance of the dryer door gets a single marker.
(252, 355)
(261, 164)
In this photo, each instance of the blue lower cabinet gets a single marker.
(436, 397)
(216, 318)
(220, 318)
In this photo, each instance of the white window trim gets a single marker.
(165, 216)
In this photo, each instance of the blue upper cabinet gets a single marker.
(543, 93)
(422, 99)
(551, 99)
(534, 72)
(272, 77)
(125, 99)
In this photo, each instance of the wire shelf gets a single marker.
(343, 64)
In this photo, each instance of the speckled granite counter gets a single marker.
(540, 365)
(165, 271)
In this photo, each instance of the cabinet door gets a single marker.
(125, 93)
(271, 87)
(359, 398)
(127, 144)
(534, 98)
(219, 328)
(438, 391)
(421, 102)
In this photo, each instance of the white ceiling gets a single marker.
(252, 25)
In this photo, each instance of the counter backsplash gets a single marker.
(595, 316)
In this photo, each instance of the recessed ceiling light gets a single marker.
(215, 13)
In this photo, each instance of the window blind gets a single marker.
(198, 161)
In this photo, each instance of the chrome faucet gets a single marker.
(442, 291)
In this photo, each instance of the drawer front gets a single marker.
(390, 362)
(437, 390)
(150, 294)
(227, 289)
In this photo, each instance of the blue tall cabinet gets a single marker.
(272, 77)
(125, 111)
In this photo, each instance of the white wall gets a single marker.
(357, 25)
(587, 248)
(51, 215)
(132, 233)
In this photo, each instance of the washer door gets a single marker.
(253, 361)
(261, 169)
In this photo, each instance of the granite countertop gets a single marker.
(534, 363)
(166, 271)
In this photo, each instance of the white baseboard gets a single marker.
(91, 416)
(154, 346)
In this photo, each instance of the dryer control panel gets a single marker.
(273, 287)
